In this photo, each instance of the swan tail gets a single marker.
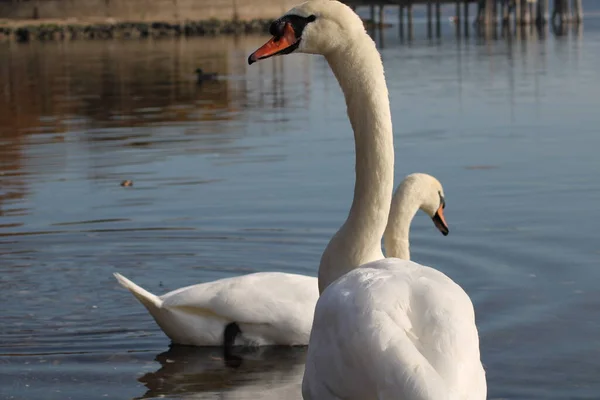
(149, 300)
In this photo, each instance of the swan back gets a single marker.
(394, 329)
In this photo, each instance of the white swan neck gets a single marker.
(396, 237)
(359, 71)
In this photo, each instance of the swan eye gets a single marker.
(442, 200)
(298, 24)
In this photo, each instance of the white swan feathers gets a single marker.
(271, 308)
(389, 329)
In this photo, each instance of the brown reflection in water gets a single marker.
(12, 186)
(59, 86)
(99, 91)
(112, 82)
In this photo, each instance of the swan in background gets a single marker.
(273, 308)
(391, 328)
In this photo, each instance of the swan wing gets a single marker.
(246, 298)
(393, 329)
(269, 307)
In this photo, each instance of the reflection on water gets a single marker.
(252, 172)
(197, 373)
(115, 84)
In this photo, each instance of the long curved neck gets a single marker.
(359, 71)
(396, 237)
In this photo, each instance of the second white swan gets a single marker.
(273, 308)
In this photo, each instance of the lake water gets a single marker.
(254, 172)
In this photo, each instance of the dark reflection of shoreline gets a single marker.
(194, 372)
(61, 98)
(110, 84)
(12, 186)
(131, 83)
(142, 94)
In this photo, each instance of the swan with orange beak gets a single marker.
(383, 328)
(287, 33)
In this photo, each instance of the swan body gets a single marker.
(268, 308)
(387, 328)
(394, 329)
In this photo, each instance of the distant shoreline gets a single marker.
(70, 29)
(27, 30)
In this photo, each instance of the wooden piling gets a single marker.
(542, 12)
(457, 17)
(372, 8)
(577, 11)
(526, 17)
(517, 12)
(505, 12)
(401, 20)
(566, 15)
(429, 18)
(409, 15)
(488, 12)
(381, 15)
(438, 18)
(457, 11)
(466, 17)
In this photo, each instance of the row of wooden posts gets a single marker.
(489, 12)
(527, 12)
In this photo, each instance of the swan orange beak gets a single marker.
(277, 45)
(440, 221)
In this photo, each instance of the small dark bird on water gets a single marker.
(201, 76)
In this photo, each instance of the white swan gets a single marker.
(390, 329)
(272, 308)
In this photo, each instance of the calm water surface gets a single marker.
(254, 172)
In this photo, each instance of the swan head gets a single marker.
(313, 27)
(429, 192)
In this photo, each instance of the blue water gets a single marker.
(254, 172)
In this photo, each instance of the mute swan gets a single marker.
(391, 328)
(272, 308)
